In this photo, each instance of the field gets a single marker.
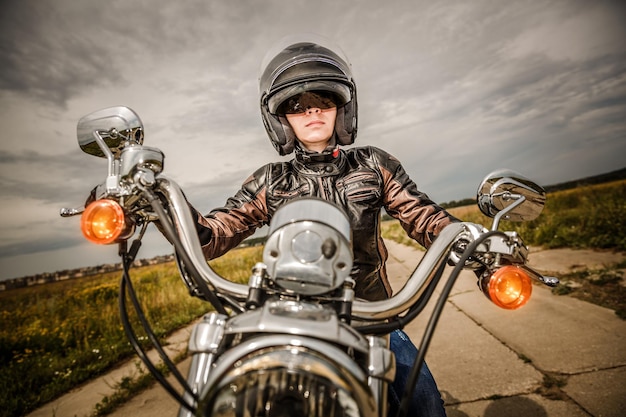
(54, 337)
(585, 217)
(588, 217)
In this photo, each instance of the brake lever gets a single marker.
(549, 281)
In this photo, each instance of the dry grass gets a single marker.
(54, 337)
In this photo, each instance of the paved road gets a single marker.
(488, 362)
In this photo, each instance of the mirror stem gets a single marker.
(111, 181)
(496, 220)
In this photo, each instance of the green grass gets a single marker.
(56, 336)
(392, 230)
(585, 217)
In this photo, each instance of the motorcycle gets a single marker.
(293, 341)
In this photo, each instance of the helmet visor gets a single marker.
(309, 100)
(286, 100)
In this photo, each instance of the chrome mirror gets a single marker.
(116, 126)
(508, 195)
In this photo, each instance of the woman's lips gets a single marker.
(314, 122)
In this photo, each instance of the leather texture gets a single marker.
(360, 180)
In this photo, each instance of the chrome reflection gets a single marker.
(301, 378)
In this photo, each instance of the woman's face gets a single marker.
(312, 117)
(314, 127)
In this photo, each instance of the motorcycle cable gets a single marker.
(126, 287)
(434, 318)
(399, 322)
(208, 294)
(194, 292)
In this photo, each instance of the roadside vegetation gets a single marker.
(56, 336)
(584, 217)
(587, 217)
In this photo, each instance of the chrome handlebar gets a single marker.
(145, 171)
(186, 229)
(435, 257)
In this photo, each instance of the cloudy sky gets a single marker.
(455, 89)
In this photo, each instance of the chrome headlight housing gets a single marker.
(308, 250)
(278, 376)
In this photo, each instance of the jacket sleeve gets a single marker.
(226, 227)
(419, 216)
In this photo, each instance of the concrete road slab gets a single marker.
(559, 334)
(154, 401)
(469, 364)
(519, 406)
(602, 393)
(567, 260)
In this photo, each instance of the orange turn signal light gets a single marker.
(103, 222)
(509, 287)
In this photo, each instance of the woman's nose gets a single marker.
(312, 110)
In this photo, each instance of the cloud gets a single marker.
(47, 178)
(579, 33)
(44, 59)
(454, 89)
(39, 245)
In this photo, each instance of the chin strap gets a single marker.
(327, 162)
(327, 155)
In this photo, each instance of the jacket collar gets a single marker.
(330, 161)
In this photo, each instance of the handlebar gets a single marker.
(146, 182)
(185, 226)
(434, 258)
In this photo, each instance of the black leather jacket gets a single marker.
(361, 180)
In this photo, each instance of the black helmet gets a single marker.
(300, 67)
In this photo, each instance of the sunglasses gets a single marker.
(308, 100)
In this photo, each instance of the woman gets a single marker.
(309, 106)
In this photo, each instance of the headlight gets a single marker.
(308, 250)
(289, 381)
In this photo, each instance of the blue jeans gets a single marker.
(426, 400)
